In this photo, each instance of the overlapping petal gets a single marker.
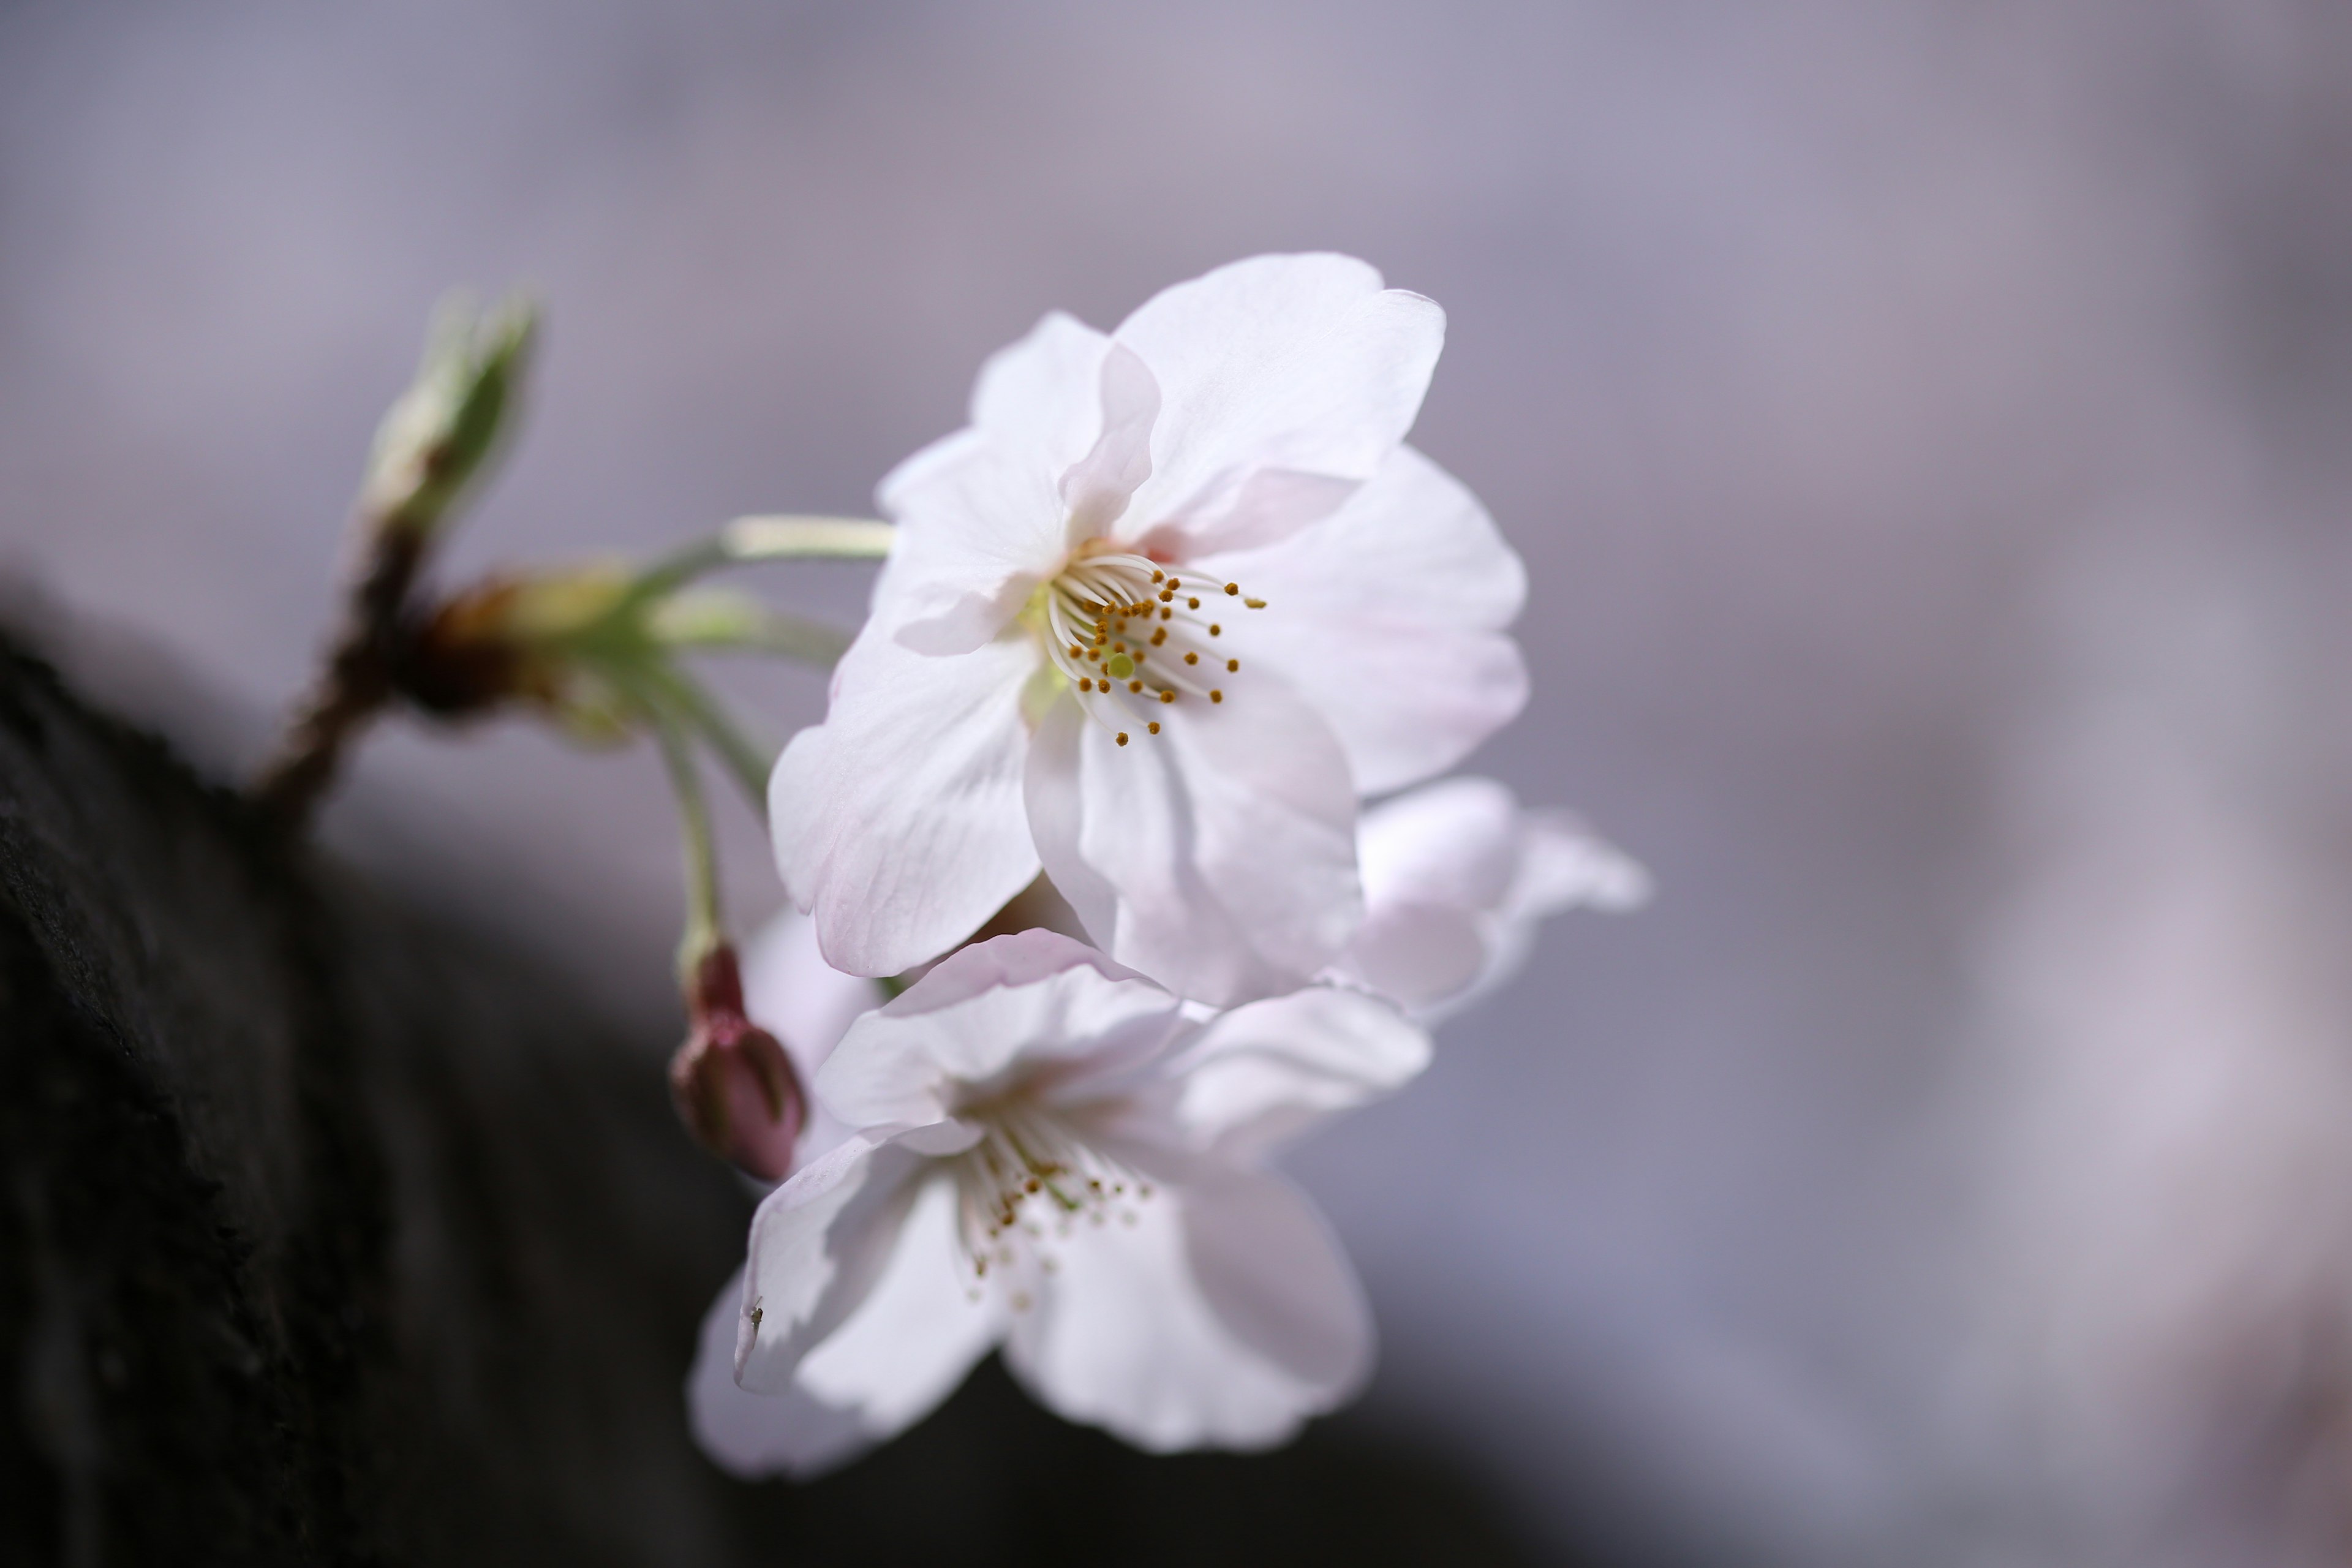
(1287, 364)
(1389, 618)
(1456, 879)
(898, 821)
(1220, 858)
(1224, 1316)
(1207, 1306)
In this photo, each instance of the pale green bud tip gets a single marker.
(436, 439)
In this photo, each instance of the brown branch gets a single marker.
(356, 685)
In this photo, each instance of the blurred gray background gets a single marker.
(1925, 423)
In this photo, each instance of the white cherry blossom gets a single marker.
(1049, 1152)
(1456, 878)
(1176, 596)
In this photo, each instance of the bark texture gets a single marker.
(330, 1235)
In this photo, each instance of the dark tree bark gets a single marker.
(329, 1236)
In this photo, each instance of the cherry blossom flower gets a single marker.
(1176, 596)
(1051, 1154)
(1456, 878)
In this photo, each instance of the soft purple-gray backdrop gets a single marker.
(1926, 427)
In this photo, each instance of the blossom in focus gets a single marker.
(1050, 1152)
(1456, 878)
(1154, 621)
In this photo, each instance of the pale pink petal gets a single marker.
(1388, 616)
(1218, 856)
(1009, 1002)
(1457, 842)
(1096, 487)
(899, 823)
(1303, 363)
(1564, 864)
(980, 513)
(753, 1435)
(1259, 1076)
(818, 1244)
(1122, 1334)
(1417, 954)
(916, 1334)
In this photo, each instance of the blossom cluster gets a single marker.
(1153, 630)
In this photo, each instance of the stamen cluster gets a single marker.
(1027, 1160)
(1130, 634)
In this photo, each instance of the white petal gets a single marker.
(1033, 995)
(1303, 363)
(1564, 864)
(1131, 1333)
(753, 1435)
(1096, 487)
(1217, 857)
(790, 990)
(818, 1244)
(1260, 1075)
(899, 822)
(916, 1333)
(980, 514)
(1457, 862)
(1388, 617)
(1456, 842)
(1417, 954)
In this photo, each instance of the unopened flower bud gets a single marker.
(438, 438)
(734, 1086)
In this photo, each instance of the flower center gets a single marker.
(1028, 1179)
(1132, 637)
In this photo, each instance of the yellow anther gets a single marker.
(1192, 658)
(1233, 587)
(1158, 576)
(1123, 737)
(1167, 615)
(1166, 595)
(1216, 696)
(1166, 697)
(1192, 603)
(1154, 726)
(1086, 683)
(1215, 630)
(1231, 665)
(1254, 604)
(1135, 685)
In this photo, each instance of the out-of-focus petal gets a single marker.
(1260, 1075)
(789, 989)
(1565, 863)
(1457, 842)
(1417, 954)
(1123, 1335)
(899, 822)
(1304, 364)
(818, 1244)
(1388, 616)
(1036, 996)
(916, 1333)
(1217, 857)
(753, 1435)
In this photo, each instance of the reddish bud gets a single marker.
(734, 1086)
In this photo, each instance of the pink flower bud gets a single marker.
(734, 1086)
